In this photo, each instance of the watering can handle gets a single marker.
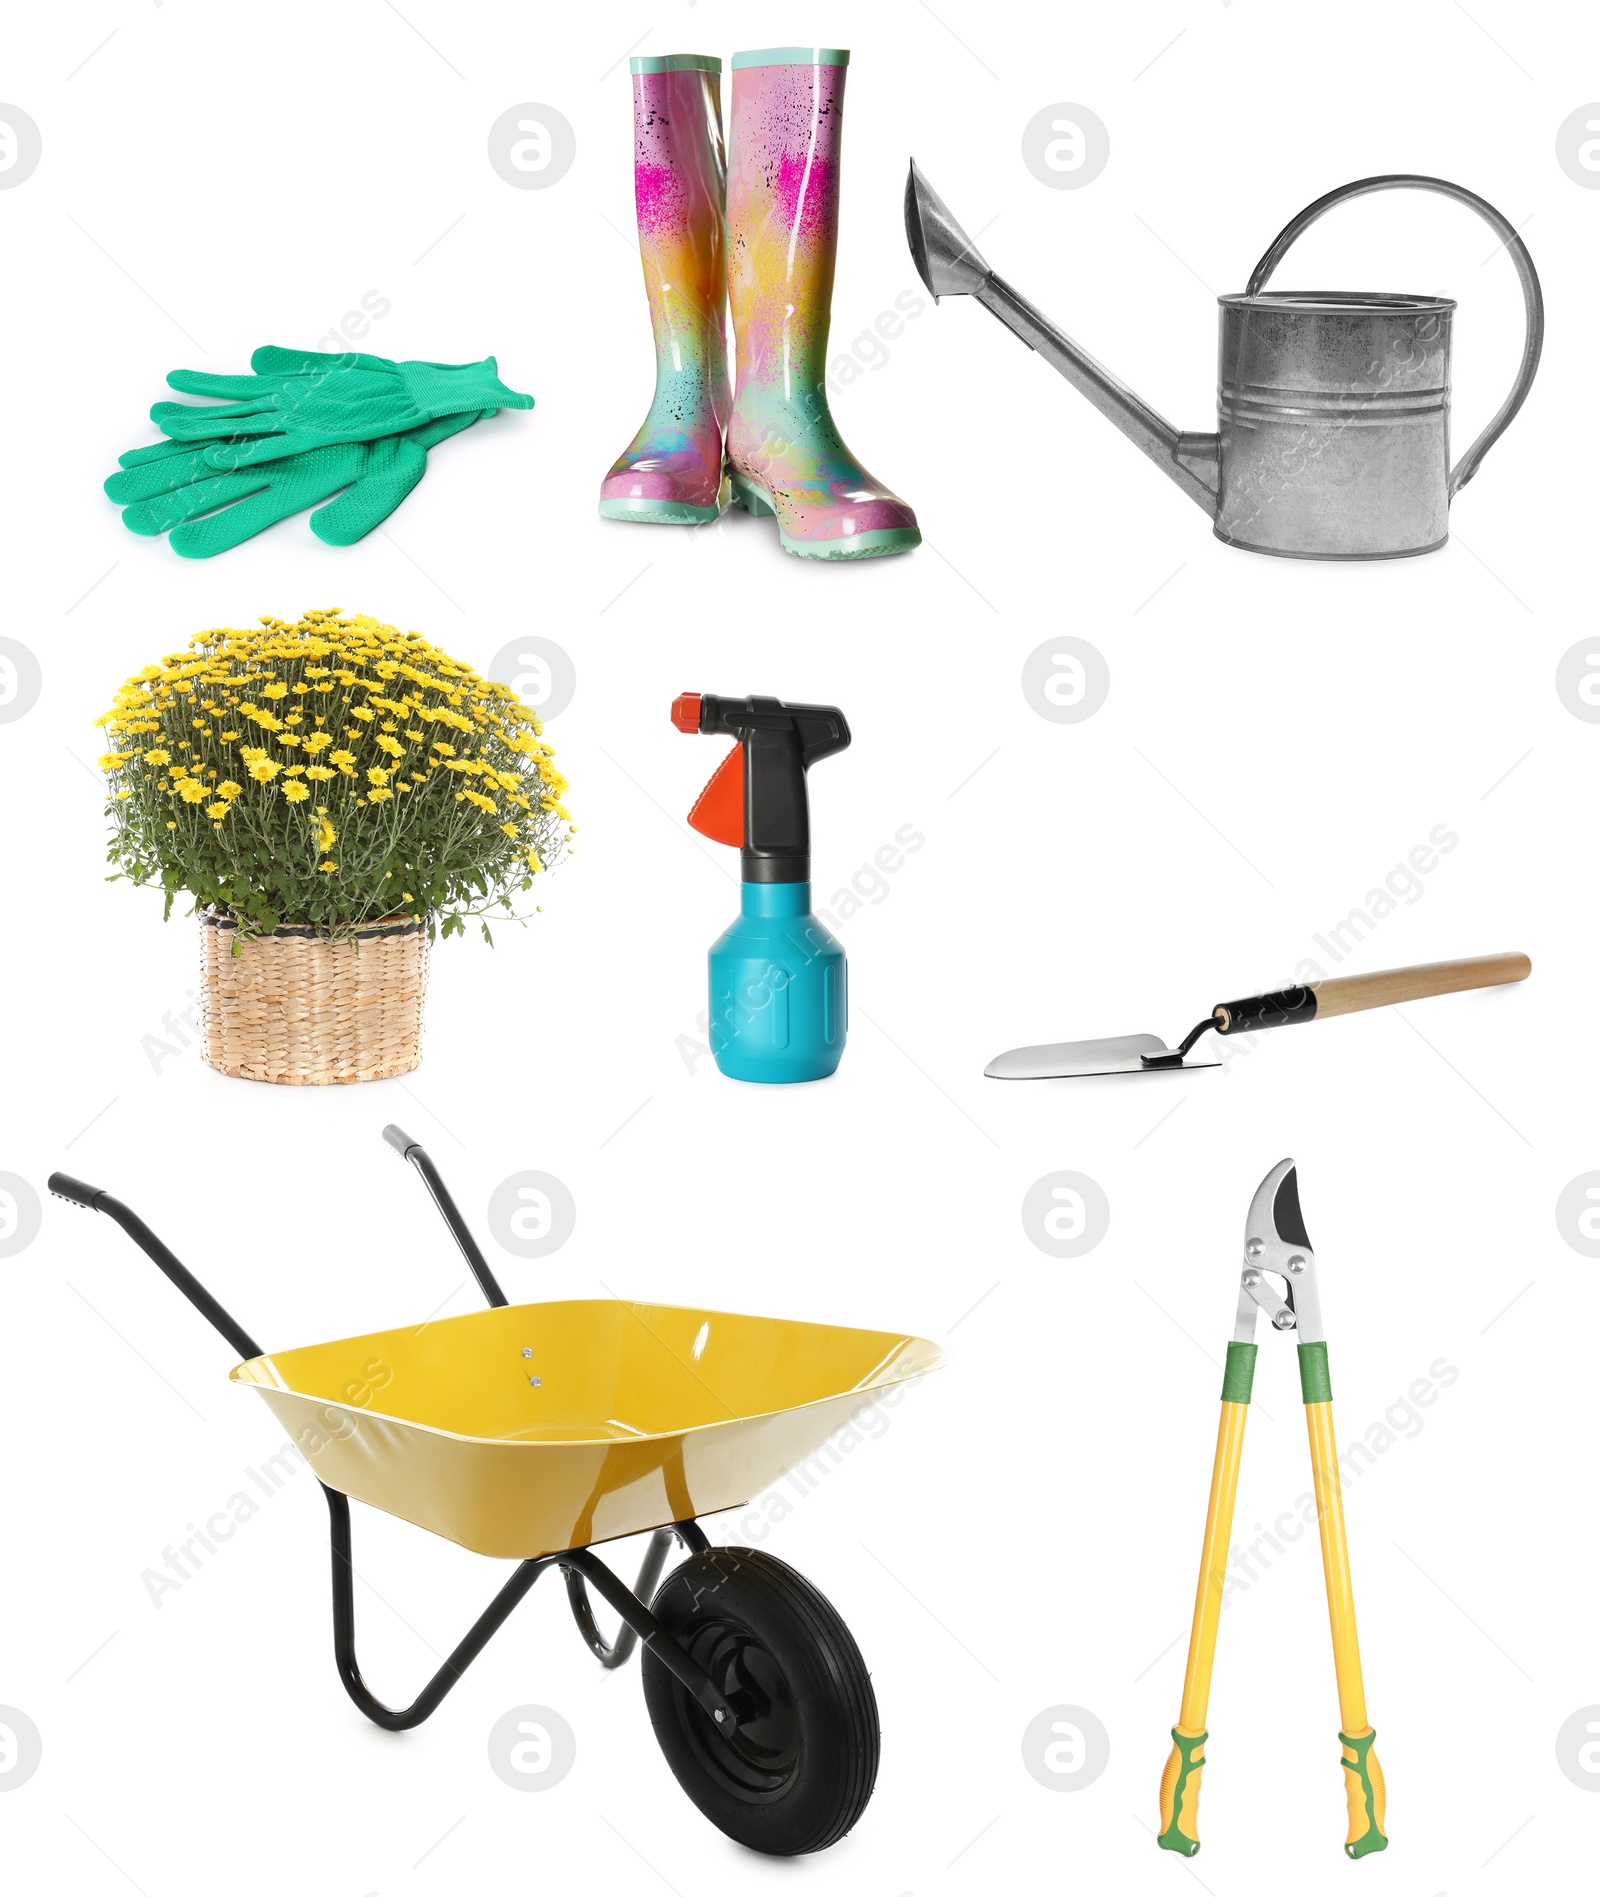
(1532, 297)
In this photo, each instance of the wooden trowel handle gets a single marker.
(1348, 994)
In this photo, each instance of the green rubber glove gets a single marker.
(173, 485)
(298, 399)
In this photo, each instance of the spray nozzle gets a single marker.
(756, 802)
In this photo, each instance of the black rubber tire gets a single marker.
(786, 1660)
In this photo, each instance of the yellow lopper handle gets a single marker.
(1363, 1776)
(1180, 1782)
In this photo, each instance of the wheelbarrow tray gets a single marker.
(528, 1430)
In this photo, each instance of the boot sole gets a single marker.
(659, 513)
(868, 546)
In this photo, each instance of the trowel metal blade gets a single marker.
(1069, 1060)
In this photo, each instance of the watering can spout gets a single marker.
(950, 264)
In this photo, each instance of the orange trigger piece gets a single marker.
(719, 809)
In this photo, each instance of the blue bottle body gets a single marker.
(779, 1007)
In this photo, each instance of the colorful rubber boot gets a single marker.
(671, 471)
(784, 452)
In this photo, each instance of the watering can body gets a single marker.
(1333, 409)
(1333, 424)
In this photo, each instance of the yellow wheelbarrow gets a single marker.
(533, 1431)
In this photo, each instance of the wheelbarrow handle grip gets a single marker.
(64, 1186)
(411, 1152)
(97, 1199)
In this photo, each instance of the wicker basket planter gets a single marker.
(301, 1011)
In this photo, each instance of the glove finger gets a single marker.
(374, 497)
(159, 475)
(270, 360)
(355, 410)
(184, 422)
(160, 513)
(161, 450)
(282, 492)
(230, 387)
(293, 440)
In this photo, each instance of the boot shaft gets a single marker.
(679, 183)
(783, 214)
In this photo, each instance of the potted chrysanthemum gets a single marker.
(333, 794)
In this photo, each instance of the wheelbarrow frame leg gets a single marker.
(616, 1653)
(478, 1636)
(582, 1565)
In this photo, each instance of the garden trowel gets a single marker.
(1342, 994)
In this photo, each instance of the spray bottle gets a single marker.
(778, 1006)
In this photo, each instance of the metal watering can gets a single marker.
(1333, 408)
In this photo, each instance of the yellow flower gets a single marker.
(392, 745)
(445, 750)
(264, 770)
(509, 828)
(158, 756)
(296, 792)
(229, 789)
(191, 790)
(379, 796)
(360, 711)
(217, 810)
(110, 761)
(342, 758)
(327, 836)
(274, 691)
(320, 772)
(317, 741)
(227, 737)
(327, 868)
(377, 775)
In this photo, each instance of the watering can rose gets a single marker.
(327, 774)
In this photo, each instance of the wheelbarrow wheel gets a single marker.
(797, 1682)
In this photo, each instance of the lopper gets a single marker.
(1275, 1247)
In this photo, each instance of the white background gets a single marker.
(1024, 1531)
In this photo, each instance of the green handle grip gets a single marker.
(1314, 1384)
(1239, 1374)
(1180, 1793)
(1364, 1796)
